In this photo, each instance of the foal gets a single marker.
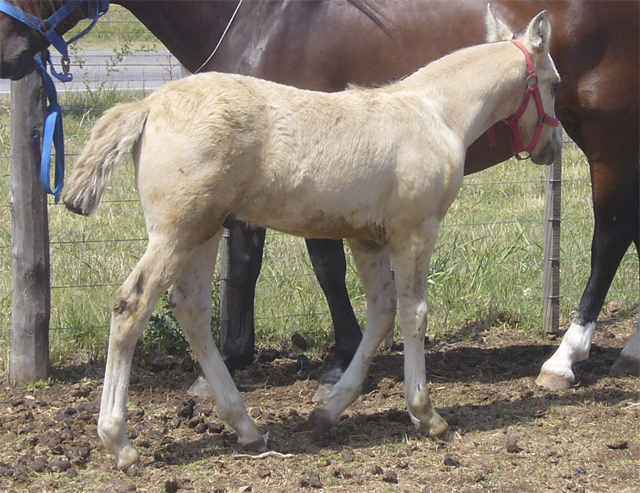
(379, 167)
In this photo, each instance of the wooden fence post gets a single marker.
(224, 284)
(551, 267)
(31, 300)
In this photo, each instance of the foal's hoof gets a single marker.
(551, 381)
(127, 457)
(438, 427)
(625, 366)
(319, 422)
(322, 393)
(257, 446)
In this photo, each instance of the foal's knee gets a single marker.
(189, 304)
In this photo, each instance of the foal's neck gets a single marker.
(475, 87)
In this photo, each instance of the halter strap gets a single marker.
(53, 130)
(519, 149)
(46, 27)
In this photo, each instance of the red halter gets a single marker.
(519, 149)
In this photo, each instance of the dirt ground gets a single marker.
(507, 435)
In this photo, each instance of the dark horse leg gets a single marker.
(245, 257)
(245, 260)
(616, 199)
(330, 266)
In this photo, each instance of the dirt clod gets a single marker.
(512, 445)
(450, 461)
(619, 445)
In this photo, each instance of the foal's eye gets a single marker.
(555, 87)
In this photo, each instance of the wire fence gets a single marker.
(489, 255)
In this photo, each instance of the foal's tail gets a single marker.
(112, 138)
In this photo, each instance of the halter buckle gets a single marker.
(66, 65)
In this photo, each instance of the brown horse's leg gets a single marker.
(614, 177)
(330, 266)
(245, 257)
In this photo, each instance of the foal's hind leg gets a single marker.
(374, 266)
(133, 303)
(190, 301)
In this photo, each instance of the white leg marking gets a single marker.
(556, 373)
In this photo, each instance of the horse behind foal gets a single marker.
(379, 167)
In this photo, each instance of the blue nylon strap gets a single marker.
(53, 136)
(95, 8)
(52, 22)
(53, 130)
(22, 16)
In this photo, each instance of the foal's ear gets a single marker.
(538, 33)
(496, 29)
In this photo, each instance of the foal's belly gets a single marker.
(312, 222)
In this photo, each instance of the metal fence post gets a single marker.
(551, 267)
(224, 281)
(31, 300)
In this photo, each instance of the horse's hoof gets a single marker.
(127, 457)
(551, 381)
(319, 422)
(625, 366)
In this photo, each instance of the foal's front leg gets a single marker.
(374, 267)
(190, 301)
(411, 263)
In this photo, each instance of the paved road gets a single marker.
(93, 69)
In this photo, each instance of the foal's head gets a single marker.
(535, 130)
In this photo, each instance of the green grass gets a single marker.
(117, 28)
(487, 265)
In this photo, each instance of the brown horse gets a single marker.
(325, 45)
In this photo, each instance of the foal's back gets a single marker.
(307, 163)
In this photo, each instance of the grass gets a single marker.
(116, 29)
(487, 265)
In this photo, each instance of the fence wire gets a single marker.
(473, 247)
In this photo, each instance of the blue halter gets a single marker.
(53, 131)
